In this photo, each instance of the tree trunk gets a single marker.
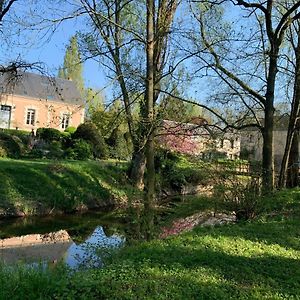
(293, 166)
(137, 168)
(149, 122)
(268, 153)
(291, 140)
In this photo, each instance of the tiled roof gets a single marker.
(40, 87)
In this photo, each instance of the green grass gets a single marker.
(37, 186)
(251, 260)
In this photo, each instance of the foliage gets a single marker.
(73, 68)
(89, 132)
(12, 146)
(239, 194)
(80, 150)
(177, 170)
(95, 103)
(118, 144)
(70, 130)
(48, 134)
(22, 134)
(175, 137)
(54, 150)
(3, 152)
(176, 110)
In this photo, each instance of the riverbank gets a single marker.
(42, 187)
(258, 259)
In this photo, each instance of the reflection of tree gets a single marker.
(81, 233)
(111, 230)
(136, 228)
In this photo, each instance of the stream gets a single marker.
(78, 240)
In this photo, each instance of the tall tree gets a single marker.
(116, 42)
(290, 161)
(72, 68)
(272, 30)
(119, 40)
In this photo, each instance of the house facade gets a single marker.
(30, 101)
(252, 145)
(199, 140)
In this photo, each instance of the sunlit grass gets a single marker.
(37, 186)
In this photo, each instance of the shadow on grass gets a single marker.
(63, 186)
(238, 273)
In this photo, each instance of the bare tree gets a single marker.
(290, 161)
(272, 33)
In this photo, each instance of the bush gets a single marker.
(240, 195)
(37, 153)
(11, 145)
(177, 170)
(119, 146)
(70, 130)
(89, 132)
(177, 180)
(22, 134)
(49, 134)
(80, 150)
(3, 152)
(55, 150)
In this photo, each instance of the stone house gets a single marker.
(252, 141)
(252, 145)
(30, 101)
(199, 139)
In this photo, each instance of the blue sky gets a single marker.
(51, 53)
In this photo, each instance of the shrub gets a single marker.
(70, 130)
(239, 194)
(55, 150)
(177, 170)
(3, 152)
(89, 132)
(49, 134)
(119, 145)
(37, 153)
(22, 134)
(12, 145)
(177, 180)
(50, 150)
(80, 150)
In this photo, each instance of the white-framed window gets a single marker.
(30, 116)
(65, 121)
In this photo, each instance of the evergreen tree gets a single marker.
(72, 67)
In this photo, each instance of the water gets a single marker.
(78, 240)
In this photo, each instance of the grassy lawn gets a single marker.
(251, 260)
(37, 186)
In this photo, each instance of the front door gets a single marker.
(5, 115)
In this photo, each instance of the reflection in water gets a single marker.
(57, 246)
(87, 238)
(85, 254)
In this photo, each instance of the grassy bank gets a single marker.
(44, 186)
(252, 260)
